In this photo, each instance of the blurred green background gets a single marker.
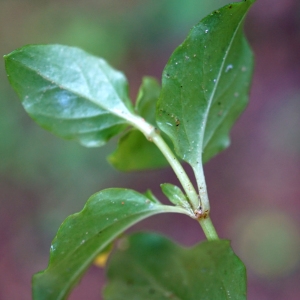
(254, 186)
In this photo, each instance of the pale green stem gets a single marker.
(209, 229)
(179, 171)
(200, 178)
(152, 135)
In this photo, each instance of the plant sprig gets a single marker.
(80, 97)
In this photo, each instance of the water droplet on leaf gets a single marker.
(228, 68)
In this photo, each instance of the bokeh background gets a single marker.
(254, 186)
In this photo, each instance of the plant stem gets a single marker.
(152, 135)
(209, 229)
(179, 171)
(200, 178)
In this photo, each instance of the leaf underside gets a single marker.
(205, 85)
(84, 235)
(148, 266)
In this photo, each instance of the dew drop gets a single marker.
(228, 68)
(215, 80)
(206, 31)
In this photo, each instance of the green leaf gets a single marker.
(84, 235)
(151, 196)
(175, 195)
(205, 85)
(147, 98)
(70, 92)
(149, 266)
(134, 151)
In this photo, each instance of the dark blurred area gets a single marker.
(254, 186)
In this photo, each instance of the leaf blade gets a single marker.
(147, 97)
(84, 235)
(160, 269)
(134, 151)
(175, 195)
(70, 92)
(196, 75)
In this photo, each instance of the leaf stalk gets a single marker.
(153, 135)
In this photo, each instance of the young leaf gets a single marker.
(175, 195)
(70, 92)
(152, 267)
(84, 235)
(205, 85)
(151, 196)
(134, 151)
(147, 98)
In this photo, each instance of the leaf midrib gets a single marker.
(62, 86)
(206, 114)
(222, 118)
(88, 261)
(159, 209)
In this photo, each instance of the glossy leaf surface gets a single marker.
(153, 267)
(84, 235)
(134, 151)
(205, 85)
(175, 195)
(69, 92)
